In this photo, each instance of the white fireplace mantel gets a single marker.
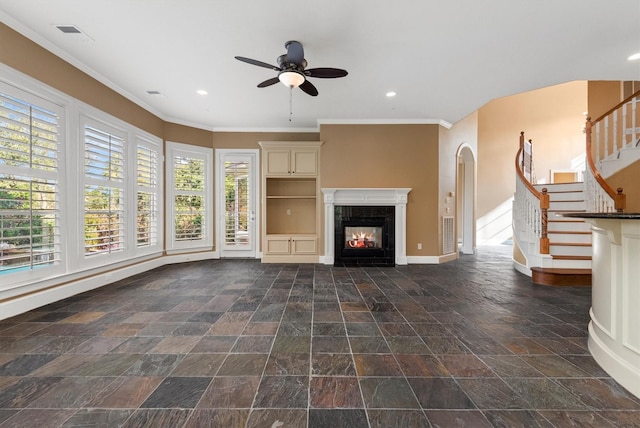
(396, 197)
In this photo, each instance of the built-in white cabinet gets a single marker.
(290, 201)
(291, 245)
(283, 161)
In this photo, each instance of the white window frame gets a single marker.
(206, 155)
(26, 94)
(91, 260)
(154, 145)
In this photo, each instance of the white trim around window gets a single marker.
(189, 190)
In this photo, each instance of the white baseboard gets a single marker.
(521, 268)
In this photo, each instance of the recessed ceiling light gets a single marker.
(201, 92)
(634, 57)
(391, 94)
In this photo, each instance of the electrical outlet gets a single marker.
(288, 212)
(419, 245)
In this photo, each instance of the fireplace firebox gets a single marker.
(364, 236)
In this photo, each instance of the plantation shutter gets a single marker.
(147, 190)
(104, 198)
(29, 181)
(189, 198)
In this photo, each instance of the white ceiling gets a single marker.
(445, 59)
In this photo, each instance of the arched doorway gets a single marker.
(466, 195)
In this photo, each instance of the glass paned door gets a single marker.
(237, 195)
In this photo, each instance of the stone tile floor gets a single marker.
(226, 343)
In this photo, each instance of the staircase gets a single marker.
(557, 249)
(569, 238)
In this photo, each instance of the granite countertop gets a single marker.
(616, 216)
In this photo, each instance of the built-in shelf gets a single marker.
(291, 205)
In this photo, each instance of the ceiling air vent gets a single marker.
(74, 32)
(69, 29)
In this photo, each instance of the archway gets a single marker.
(466, 196)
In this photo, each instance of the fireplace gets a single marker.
(393, 200)
(364, 235)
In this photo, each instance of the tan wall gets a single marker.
(552, 117)
(629, 180)
(22, 54)
(389, 156)
(602, 96)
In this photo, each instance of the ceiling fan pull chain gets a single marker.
(290, 102)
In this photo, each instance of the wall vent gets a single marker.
(448, 238)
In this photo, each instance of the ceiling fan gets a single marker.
(291, 69)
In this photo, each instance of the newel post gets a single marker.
(620, 200)
(544, 210)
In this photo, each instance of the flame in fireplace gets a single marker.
(361, 240)
(362, 236)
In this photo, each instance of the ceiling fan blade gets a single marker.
(268, 82)
(326, 72)
(309, 88)
(295, 52)
(256, 62)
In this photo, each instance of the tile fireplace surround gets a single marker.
(396, 197)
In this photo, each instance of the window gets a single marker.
(147, 194)
(79, 189)
(29, 182)
(190, 201)
(104, 190)
(236, 189)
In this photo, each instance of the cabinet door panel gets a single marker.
(278, 246)
(278, 162)
(304, 245)
(304, 162)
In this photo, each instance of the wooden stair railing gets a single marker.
(536, 217)
(602, 196)
(616, 129)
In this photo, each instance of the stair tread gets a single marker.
(563, 271)
(571, 232)
(561, 257)
(571, 244)
(559, 184)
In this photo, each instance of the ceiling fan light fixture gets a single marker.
(291, 79)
